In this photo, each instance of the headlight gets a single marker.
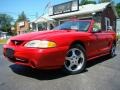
(40, 44)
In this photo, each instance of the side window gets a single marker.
(97, 26)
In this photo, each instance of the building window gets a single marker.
(51, 26)
(62, 21)
(107, 23)
(42, 26)
(114, 25)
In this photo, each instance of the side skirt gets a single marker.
(98, 56)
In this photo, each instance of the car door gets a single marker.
(96, 44)
(99, 42)
(103, 40)
(109, 35)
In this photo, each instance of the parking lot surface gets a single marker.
(101, 74)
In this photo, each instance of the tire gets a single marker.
(75, 60)
(112, 51)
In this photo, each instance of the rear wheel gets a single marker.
(112, 51)
(75, 60)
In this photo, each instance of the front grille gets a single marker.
(9, 53)
(17, 42)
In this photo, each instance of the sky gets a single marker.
(32, 8)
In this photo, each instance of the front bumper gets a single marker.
(37, 58)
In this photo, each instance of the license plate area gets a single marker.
(10, 53)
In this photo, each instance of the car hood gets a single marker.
(42, 35)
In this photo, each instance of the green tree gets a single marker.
(5, 22)
(118, 9)
(102, 1)
(83, 2)
(22, 17)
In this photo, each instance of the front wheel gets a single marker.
(75, 60)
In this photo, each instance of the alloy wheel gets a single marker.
(113, 50)
(74, 59)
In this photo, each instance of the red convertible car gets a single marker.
(67, 46)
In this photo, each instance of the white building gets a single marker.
(43, 23)
(60, 13)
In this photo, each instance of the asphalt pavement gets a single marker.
(101, 74)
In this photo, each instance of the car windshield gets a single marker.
(74, 25)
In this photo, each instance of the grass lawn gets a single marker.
(3, 41)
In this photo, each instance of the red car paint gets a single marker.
(96, 45)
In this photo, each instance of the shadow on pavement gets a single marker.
(37, 74)
(98, 60)
(50, 74)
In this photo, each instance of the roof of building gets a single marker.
(43, 18)
(83, 9)
(86, 9)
